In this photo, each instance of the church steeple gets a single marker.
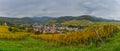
(5, 24)
(5, 21)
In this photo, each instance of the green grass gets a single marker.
(30, 44)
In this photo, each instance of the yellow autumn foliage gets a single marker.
(16, 36)
(5, 34)
(89, 34)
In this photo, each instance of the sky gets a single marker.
(55, 8)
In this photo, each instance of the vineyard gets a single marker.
(88, 36)
(96, 35)
(92, 34)
(5, 34)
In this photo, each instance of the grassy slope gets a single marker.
(30, 44)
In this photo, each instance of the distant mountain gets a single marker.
(24, 20)
(42, 19)
(46, 19)
(92, 18)
(83, 17)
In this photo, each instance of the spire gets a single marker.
(5, 21)
(5, 24)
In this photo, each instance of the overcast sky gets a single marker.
(21, 8)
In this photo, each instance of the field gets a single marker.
(24, 41)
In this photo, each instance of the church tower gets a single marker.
(5, 24)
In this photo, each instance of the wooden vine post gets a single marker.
(99, 37)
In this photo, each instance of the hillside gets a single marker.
(28, 43)
(78, 22)
(46, 19)
(83, 17)
(24, 20)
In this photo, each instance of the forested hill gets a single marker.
(46, 19)
(25, 20)
(83, 17)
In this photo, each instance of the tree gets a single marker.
(10, 29)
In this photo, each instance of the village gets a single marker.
(46, 28)
(54, 28)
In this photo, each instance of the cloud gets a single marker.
(21, 8)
